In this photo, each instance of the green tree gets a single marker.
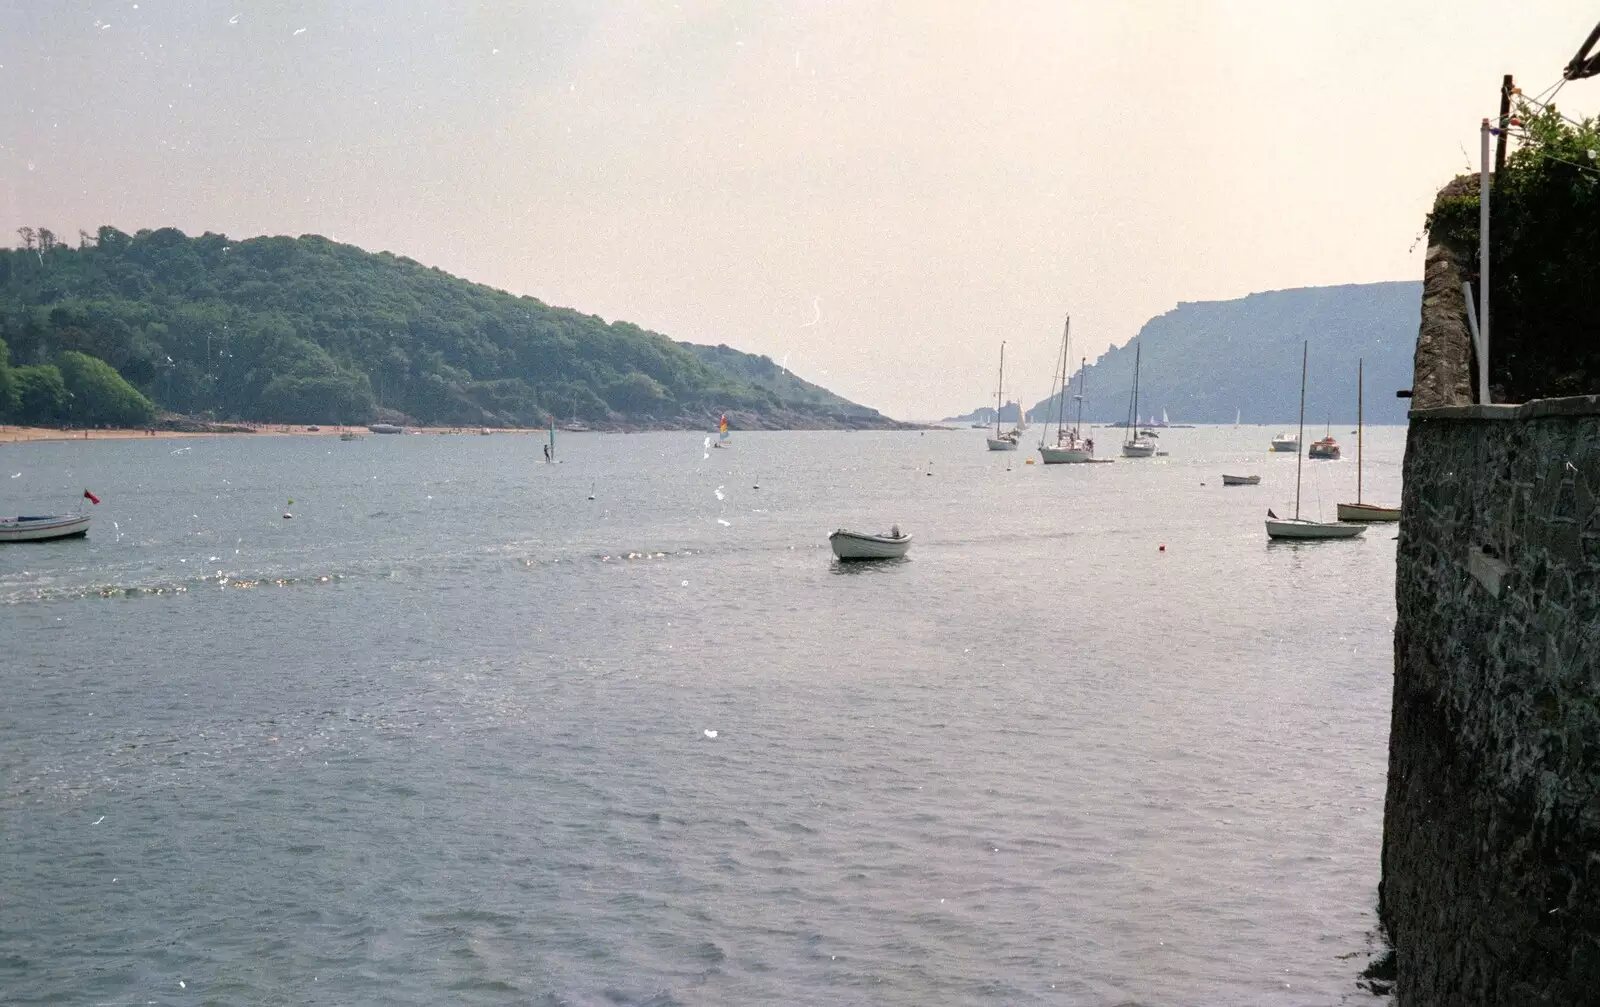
(304, 329)
(8, 384)
(41, 396)
(99, 395)
(1546, 273)
(636, 393)
(332, 397)
(109, 239)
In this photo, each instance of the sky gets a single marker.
(874, 192)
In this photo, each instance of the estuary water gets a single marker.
(446, 734)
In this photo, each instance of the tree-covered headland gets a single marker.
(307, 330)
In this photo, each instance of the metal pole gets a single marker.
(1483, 266)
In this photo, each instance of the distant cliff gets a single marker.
(1207, 361)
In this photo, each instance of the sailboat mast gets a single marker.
(1300, 442)
(1066, 358)
(1133, 414)
(1137, 354)
(1000, 384)
(1361, 420)
(1055, 381)
(1077, 428)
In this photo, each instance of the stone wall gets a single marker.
(1491, 849)
(1444, 360)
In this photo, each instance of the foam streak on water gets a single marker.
(447, 736)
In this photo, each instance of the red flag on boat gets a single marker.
(91, 497)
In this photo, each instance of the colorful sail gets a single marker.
(722, 428)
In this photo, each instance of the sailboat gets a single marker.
(1070, 446)
(1298, 527)
(1359, 511)
(722, 432)
(1139, 444)
(1006, 441)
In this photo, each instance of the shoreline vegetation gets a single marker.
(10, 434)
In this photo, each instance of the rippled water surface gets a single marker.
(443, 736)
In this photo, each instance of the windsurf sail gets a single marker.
(722, 428)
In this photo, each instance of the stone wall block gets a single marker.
(1491, 862)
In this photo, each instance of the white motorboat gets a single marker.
(1228, 480)
(1139, 443)
(1359, 511)
(1297, 527)
(1326, 449)
(385, 428)
(1284, 442)
(1004, 442)
(850, 545)
(42, 528)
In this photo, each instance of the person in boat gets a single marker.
(894, 531)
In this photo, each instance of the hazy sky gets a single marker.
(878, 192)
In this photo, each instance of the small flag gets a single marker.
(1271, 515)
(90, 497)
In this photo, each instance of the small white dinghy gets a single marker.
(1228, 480)
(860, 545)
(42, 528)
(1305, 528)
